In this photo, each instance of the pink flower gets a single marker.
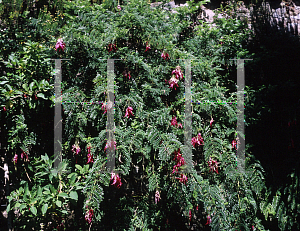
(60, 45)
(4, 109)
(173, 82)
(208, 222)
(16, 158)
(24, 154)
(180, 125)
(165, 55)
(76, 149)
(174, 121)
(178, 73)
(89, 215)
(233, 144)
(129, 112)
(190, 215)
(211, 121)
(119, 7)
(179, 161)
(89, 156)
(147, 47)
(106, 106)
(111, 145)
(196, 141)
(213, 165)
(126, 73)
(197, 207)
(182, 179)
(157, 197)
(116, 180)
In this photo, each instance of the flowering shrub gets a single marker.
(150, 191)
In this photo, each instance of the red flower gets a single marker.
(174, 121)
(60, 45)
(126, 73)
(157, 197)
(234, 144)
(111, 145)
(173, 82)
(179, 161)
(196, 141)
(16, 158)
(183, 178)
(35, 97)
(89, 215)
(213, 165)
(180, 125)
(190, 215)
(24, 154)
(4, 109)
(116, 180)
(106, 106)
(129, 112)
(178, 73)
(197, 207)
(112, 47)
(208, 222)
(89, 156)
(76, 149)
(165, 55)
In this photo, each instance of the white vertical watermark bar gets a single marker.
(240, 131)
(57, 114)
(188, 117)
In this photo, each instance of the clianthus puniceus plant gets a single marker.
(146, 189)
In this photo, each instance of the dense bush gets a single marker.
(150, 193)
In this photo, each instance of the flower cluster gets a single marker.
(234, 143)
(147, 47)
(16, 158)
(126, 73)
(112, 47)
(196, 141)
(76, 149)
(129, 112)
(116, 180)
(179, 162)
(106, 106)
(24, 154)
(174, 122)
(60, 45)
(208, 222)
(213, 165)
(89, 156)
(157, 197)
(110, 145)
(165, 55)
(89, 215)
(178, 73)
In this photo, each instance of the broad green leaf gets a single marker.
(58, 203)
(44, 209)
(63, 195)
(33, 210)
(41, 95)
(74, 195)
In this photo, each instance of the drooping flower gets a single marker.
(165, 55)
(119, 7)
(16, 158)
(4, 109)
(196, 141)
(147, 47)
(112, 47)
(180, 125)
(60, 45)
(234, 143)
(89, 215)
(116, 180)
(183, 178)
(89, 155)
(213, 165)
(178, 73)
(173, 82)
(129, 112)
(208, 222)
(110, 145)
(24, 154)
(190, 215)
(211, 121)
(126, 73)
(197, 207)
(179, 161)
(107, 106)
(174, 121)
(76, 149)
(157, 196)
